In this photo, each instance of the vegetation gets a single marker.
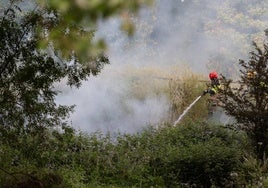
(72, 24)
(182, 91)
(38, 148)
(28, 74)
(247, 101)
(243, 20)
(193, 153)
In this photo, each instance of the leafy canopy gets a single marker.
(247, 100)
(28, 74)
(65, 31)
(76, 21)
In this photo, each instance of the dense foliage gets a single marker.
(247, 100)
(27, 75)
(192, 153)
(39, 149)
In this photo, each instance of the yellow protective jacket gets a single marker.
(215, 86)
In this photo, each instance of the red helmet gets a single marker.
(213, 75)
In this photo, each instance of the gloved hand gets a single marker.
(205, 92)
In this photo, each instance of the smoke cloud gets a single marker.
(171, 33)
(103, 104)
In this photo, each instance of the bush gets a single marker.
(193, 153)
(197, 154)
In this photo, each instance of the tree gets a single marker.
(247, 100)
(65, 31)
(28, 74)
(76, 16)
(28, 111)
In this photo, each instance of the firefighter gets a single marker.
(214, 84)
(212, 91)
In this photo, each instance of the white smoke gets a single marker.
(103, 104)
(170, 33)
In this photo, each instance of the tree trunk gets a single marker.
(261, 143)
